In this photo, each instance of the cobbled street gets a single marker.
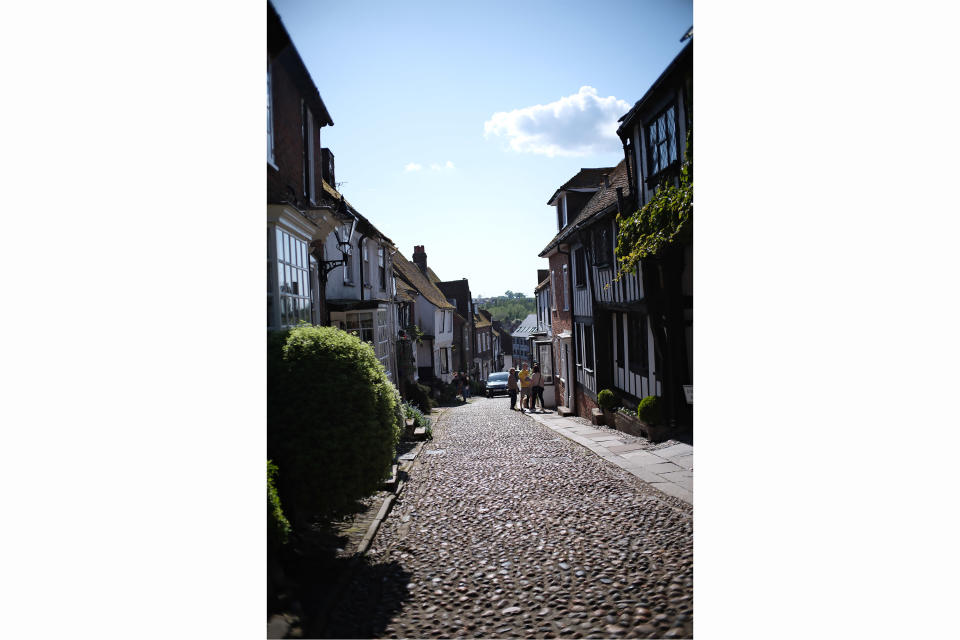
(506, 529)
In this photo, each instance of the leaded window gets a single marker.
(662, 141)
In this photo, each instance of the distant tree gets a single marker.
(508, 293)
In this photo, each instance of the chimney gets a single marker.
(326, 167)
(420, 258)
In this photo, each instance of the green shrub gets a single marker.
(411, 412)
(333, 420)
(607, 400)
(649, 410)
(278, 527)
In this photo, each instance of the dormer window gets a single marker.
(561, 212)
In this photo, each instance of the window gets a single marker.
(637, 337)
(618, 332)
(309, 166)
(347, 257)
(588, 347)
(293, 278)
(444, 361)
(269, 114)
(383, 340)
(561, 213)
(662, 141)
(580, 268)
(566, 287)
(602, 247)
(382, 267)
(545, 358)
(553, 288)
(362, 325)
(578, 344)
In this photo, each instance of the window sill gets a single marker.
(271, 163)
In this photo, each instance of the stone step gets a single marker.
(391, 483)
(564, 411)
(596, 416)
(420, 433)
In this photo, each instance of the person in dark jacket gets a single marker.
(513, 383)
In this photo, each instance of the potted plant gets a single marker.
(608, 404)
(648, 412)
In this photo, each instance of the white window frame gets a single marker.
(292, 256)
(566, 288)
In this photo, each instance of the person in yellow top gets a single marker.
(526, 386)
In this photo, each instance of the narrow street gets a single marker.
(506, 529)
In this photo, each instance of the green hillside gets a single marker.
(510, 307)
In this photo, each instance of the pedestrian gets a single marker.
(466, 387)
(458, 380)
(536, 381)
(512, 381)
(525, 387)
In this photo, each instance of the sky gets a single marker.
(454, 123)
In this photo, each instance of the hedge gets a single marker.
(333, 420)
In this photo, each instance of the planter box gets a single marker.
(637, 427)
(629, 424)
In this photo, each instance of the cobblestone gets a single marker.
(515, 532)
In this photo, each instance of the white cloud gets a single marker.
(436, 166)
(577, 125)
(413, 166)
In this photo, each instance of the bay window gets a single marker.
(293, 279)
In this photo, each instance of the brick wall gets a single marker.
(286, 181)
(584, 403)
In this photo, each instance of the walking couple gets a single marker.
(530, 384)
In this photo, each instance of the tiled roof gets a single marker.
(411, 273)
(602, 199)
(479, 322)
(585, 178)
(545, 282)
(528, 326)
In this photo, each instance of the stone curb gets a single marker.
(644, 473)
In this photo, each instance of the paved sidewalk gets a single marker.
(669, 469)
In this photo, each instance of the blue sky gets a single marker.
(456, 122)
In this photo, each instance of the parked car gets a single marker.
(497, 383)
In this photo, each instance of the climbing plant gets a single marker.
(666, 219)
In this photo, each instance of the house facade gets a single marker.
(432, 315)
(570, 303)
(483, 344)
(361, 295)
(297, 220)
(655, 135)
(520, 339)
(457, 293)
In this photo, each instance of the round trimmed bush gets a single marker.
(649, 410)
(606, 400)
(333, 420)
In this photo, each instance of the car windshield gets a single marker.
(499, 377)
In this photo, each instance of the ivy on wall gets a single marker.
(665, 220)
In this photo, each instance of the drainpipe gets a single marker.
(360, 244)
